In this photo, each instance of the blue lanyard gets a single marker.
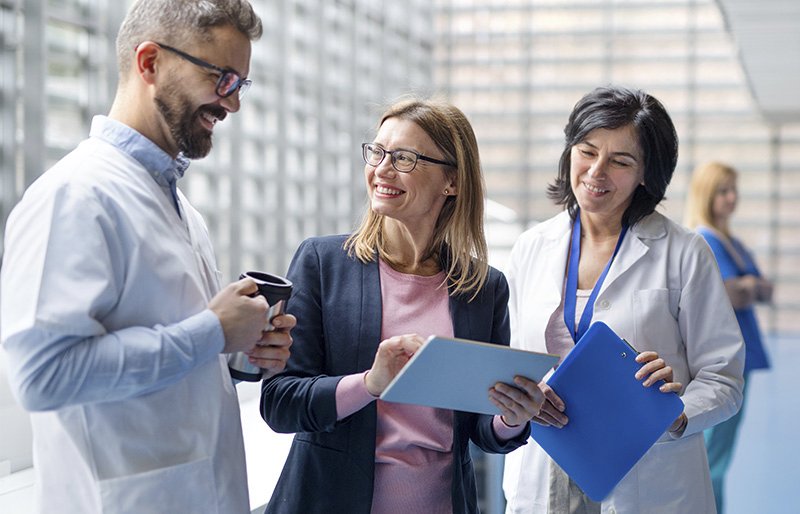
(571, 292)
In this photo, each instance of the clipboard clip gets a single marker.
(625, 354)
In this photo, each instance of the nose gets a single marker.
(231, 103)
(597, 168)
(385, 168)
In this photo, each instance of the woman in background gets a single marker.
(710, 204)
(417, 266)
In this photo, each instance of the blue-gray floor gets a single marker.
(765, 472)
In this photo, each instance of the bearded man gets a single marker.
(113, 319)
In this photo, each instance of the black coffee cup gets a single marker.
(276, 290)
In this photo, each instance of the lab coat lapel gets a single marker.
(634, 247)
(556, 247)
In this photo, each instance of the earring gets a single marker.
(446, 192)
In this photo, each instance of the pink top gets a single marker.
(413, 444)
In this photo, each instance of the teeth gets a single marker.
(209, 117)
(387, 190)
(594, 189)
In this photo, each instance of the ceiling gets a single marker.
(767, 33)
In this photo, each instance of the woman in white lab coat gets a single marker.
(654, 283)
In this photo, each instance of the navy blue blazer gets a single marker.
(337, 302)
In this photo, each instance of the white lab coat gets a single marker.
(663, 293)
(159, 431)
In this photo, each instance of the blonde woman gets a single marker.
(711, 202)
(416, 266)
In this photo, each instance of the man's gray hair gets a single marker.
(180, 23)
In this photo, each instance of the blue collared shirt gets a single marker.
(164, 169)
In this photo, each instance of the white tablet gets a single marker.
(456, 374)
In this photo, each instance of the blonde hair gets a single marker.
(458, 240)
(706, 179)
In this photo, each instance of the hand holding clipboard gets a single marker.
(612, 420)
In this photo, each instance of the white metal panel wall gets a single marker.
(517, 68)
(288, 165)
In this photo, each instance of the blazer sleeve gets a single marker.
(497, 303)
(303, 398)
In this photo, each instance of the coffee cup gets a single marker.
(276, 290)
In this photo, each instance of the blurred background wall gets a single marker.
(288, 165)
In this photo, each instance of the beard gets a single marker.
(192, 139)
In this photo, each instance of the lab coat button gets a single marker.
(604, 304)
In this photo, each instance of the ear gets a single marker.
(146, 61)
(451, 188)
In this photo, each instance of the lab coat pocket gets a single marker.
(187, 487)
(655, 313)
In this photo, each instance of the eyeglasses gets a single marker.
(403, 161)
(228, 82)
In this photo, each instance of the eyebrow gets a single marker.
(398, 148)
(616, 154)
(201, 62)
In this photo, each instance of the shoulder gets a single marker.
(543, 243)
(78, 186)
(324, 244)
(552, 229)
(658, 227)
(324, 249)
(93, 170)
(495, 287)
(686, 248)
(495, 278)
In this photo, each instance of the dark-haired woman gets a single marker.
(652, 281)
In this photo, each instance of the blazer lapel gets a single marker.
(462, 314)
(369, 332)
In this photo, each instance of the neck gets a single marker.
(721, 226)
(407, 250)
(130, 109)
(597, 228)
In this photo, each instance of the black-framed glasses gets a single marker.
(229, 81)
(403, 161)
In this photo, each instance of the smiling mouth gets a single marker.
(384, 190)
(209, 118)
(594, 189)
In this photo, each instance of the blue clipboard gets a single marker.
(456, 374)
(613, 419)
